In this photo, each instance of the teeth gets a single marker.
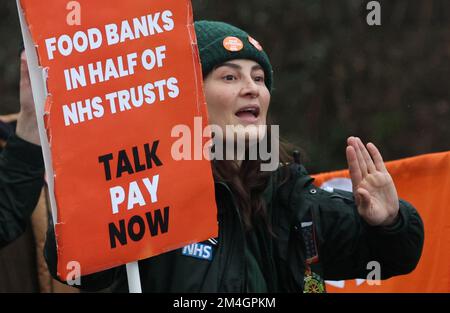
(248, 110)
(253, 111)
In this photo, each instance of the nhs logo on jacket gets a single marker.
(198, 250)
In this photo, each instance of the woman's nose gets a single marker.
(250, 88)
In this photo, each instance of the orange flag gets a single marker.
(424, 181)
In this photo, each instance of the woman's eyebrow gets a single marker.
(238, 67)
(232, 65)
(257, 67)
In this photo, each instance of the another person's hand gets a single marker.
(9, 118)
(373, 187)
(27, 128)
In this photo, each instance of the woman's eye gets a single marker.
(259, 79)
(229, 77)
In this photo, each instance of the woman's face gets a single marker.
(236, 94)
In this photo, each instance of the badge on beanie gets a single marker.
(255, 43)
(233, 44)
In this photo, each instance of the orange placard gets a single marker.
(424, 181)
(120, 76)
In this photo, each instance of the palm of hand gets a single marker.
(373, 187)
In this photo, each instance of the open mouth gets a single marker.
(248, 113)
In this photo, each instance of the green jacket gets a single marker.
(21, 182)
(345, 244)
(299, 211)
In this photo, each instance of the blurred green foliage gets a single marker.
(335, 76)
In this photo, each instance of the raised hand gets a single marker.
(27, 128)
(373, 187)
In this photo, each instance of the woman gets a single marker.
(277, 231)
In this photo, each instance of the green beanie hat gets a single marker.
(219, 42)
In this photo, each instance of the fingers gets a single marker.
(353, 166)
(353, 142)
(9, 118)
(361, 160)
(377, 158)
(26, 95)
(366, 156)
(365, 161)
(24, 75)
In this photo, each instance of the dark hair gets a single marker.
(248, 183)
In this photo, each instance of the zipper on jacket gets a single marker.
(236, 208)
